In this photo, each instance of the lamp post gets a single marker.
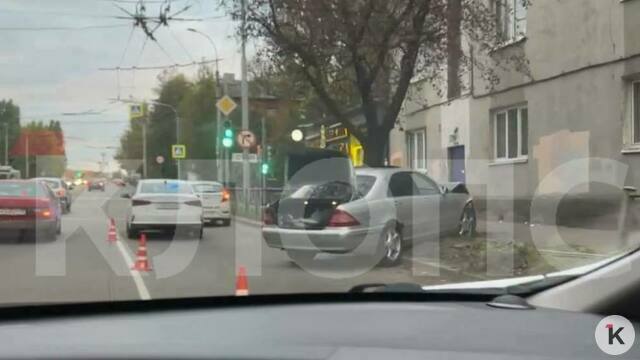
(218, 89)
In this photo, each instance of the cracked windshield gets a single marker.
(188, 148)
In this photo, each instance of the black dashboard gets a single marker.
(320, 330)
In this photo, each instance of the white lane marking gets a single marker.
(137, 278)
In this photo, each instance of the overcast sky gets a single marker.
(49, 72)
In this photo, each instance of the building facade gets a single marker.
(578, 99)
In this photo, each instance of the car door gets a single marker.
(427, 204)
(402, 190)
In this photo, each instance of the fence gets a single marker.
(251, 207)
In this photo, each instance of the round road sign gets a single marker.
(246, 139)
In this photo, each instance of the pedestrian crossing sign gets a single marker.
(136, 111)
(179, 151)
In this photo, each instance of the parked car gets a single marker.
(164, 205)
(215, 201)
(29, 206)
(401, 205)
(97, 184)
(61, 190)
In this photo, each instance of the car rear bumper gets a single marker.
(216, 213)
(326, 240)
(30, 225)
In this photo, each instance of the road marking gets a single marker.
(137, 278)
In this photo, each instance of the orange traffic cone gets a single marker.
(142, 261)
(242, 284)
(111, 235)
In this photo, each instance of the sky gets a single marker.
(51, 52)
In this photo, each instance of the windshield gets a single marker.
(22, 189)
(54, 184)
(207, 188)
(429, 142)
(165, 187)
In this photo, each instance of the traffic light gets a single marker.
(265, 168)
(227, 138)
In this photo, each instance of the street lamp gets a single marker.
(218, 88)
(215, 50)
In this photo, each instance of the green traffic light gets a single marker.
(228, 133)
(227, 142)
(265, 169)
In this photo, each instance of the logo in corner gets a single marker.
(615, 335)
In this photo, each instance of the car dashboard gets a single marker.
(308, 330)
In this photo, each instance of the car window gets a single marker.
(166, 187)
(23, 189)
(424, 185)
(401, 184)
(364, 183)
(52, 183)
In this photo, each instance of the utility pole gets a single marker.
(6, 143)
(26, 156)
(245, 104)
(262, 157)
(144, 147)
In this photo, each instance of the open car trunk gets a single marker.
(318, 180)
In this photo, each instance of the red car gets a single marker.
(29, 206)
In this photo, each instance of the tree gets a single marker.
(10, 122)
(364, 54)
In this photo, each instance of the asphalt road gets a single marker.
(81, 265)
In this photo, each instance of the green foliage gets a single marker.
(9, 117)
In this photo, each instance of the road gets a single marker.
(81, 265)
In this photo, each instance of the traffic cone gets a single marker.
(112, 235)
(142, 261)
(242, 283)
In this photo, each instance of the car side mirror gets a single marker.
(444, 190)
(126, 196)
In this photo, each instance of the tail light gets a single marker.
(341, 218)
(43, 209)
(140, 202)
(194, 203)
(268, 216)
(44, 213)
(226, 195)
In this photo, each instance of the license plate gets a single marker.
(13, 212)
(168, 206)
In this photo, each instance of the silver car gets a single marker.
(392, 207)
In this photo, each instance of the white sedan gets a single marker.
(164, 205)
(215, 201)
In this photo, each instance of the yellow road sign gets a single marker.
(226, 105)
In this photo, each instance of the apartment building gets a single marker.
(579, 98)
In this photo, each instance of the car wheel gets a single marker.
(301, 256)
(468, 222)
(226, 222)
(391, 247)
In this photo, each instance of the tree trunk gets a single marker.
(375, 147)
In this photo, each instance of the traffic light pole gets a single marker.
(263, 176)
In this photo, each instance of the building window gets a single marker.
(635, 111)
(417, 149)
(511, 19)
(511, 133)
